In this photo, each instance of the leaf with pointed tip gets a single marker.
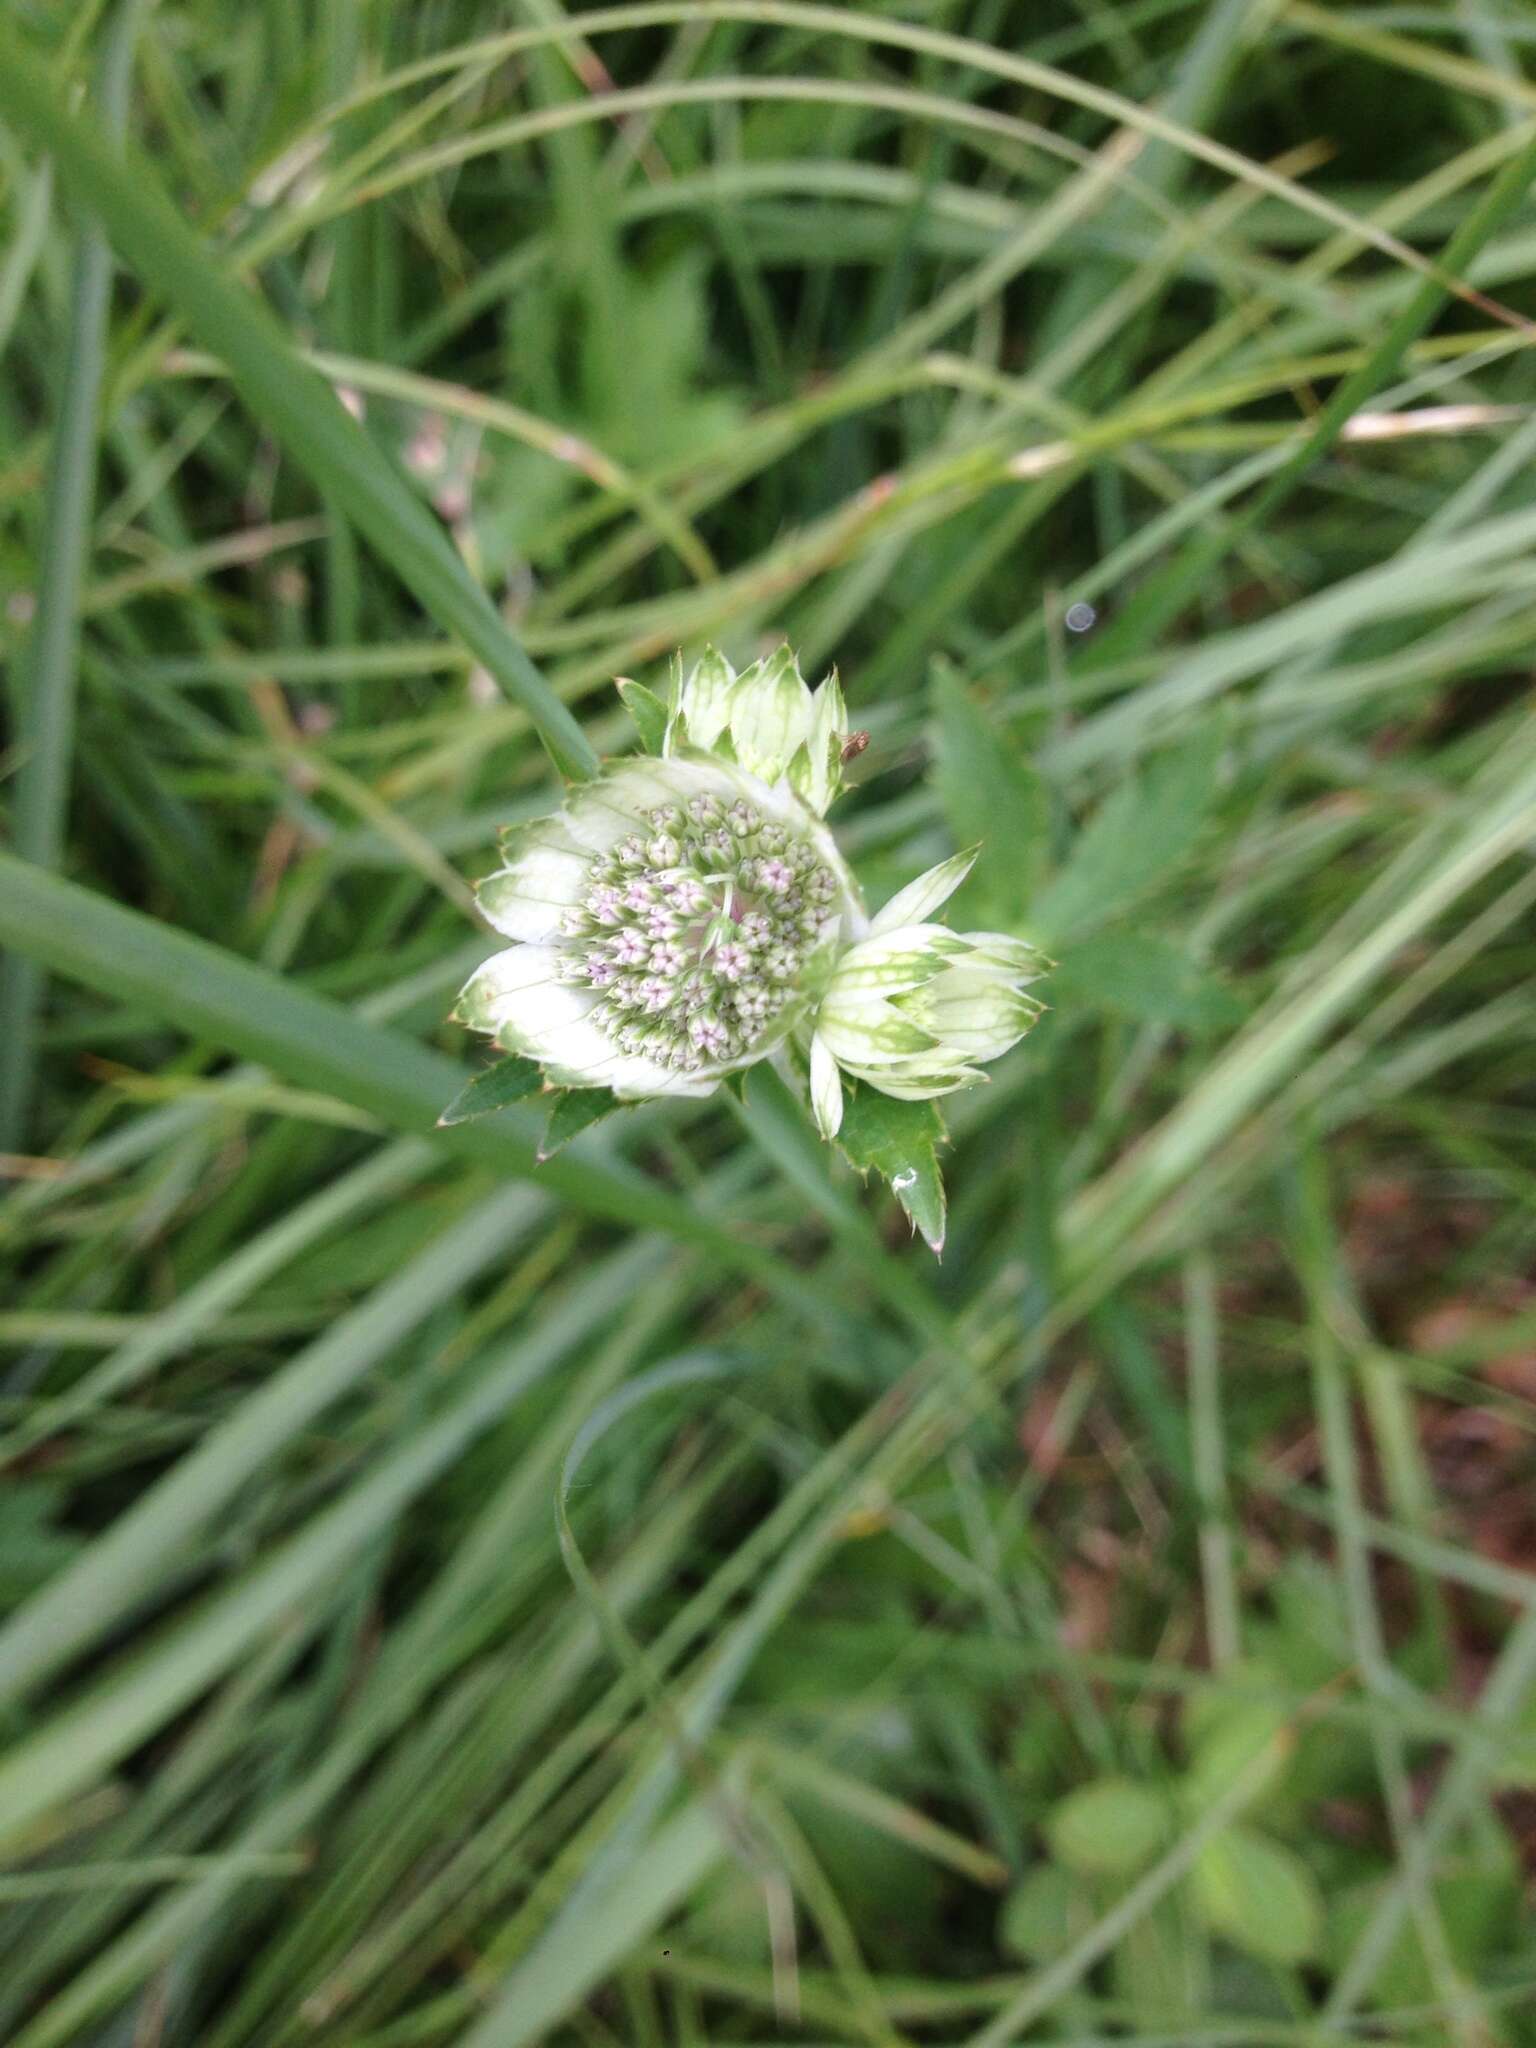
(510, 1080)
(647, 710)
(1139, 834)
(899, 1141)
(572, 1111)
(990, 793)
(1141, 975)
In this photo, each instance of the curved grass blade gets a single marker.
(284, 393)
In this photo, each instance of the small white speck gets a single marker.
(902, 1181)
(1079, 618)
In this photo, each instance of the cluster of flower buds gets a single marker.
(686, 915)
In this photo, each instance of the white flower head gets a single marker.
(674, 921)
(687, 914)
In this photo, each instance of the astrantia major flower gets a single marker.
(675, 921)
(687, 914)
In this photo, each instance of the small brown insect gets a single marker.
(853, 746)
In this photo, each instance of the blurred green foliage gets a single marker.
(641, 1598)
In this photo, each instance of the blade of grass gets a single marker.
(44, 685)
(95, 1593)
(1316, 1256)
(1167, 595)
(1223, 1613)
(215, 995)
(283, 392)
(105, 1724)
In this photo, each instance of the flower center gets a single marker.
(694, 936)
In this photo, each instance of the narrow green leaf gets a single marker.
(898, 1140)
(510, 1080)
(648, 712)
(574, 1954)
(102, 1588)
(219, 997)
(573, 1111)
(292, 400)
(1160, 602)
(105, 1722)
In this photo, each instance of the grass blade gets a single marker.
(45, 685)
(284, 393)
(215, 995)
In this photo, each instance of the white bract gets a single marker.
(685, 916)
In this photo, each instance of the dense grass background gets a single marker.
(643, 1599)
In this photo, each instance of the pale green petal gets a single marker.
(876, 1036)
(978, 1019)
(936, 939)
(551, 1022)
(922, 897)
(826, 1088)
(502, 983)
(586, 1057)
(599, 814)
(816, 772)
(516, 998)
(770, 716)
(1022, 961)
(704, 702)
(868, 971)
(544, 875)
(911, 1085)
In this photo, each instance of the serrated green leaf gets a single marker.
(1141, 831)
(572, 1111)
(510, 1080)
(1146, 977)
(898, 1140)
(991, 793)
(648, 712)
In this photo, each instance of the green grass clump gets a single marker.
(639, 1598)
